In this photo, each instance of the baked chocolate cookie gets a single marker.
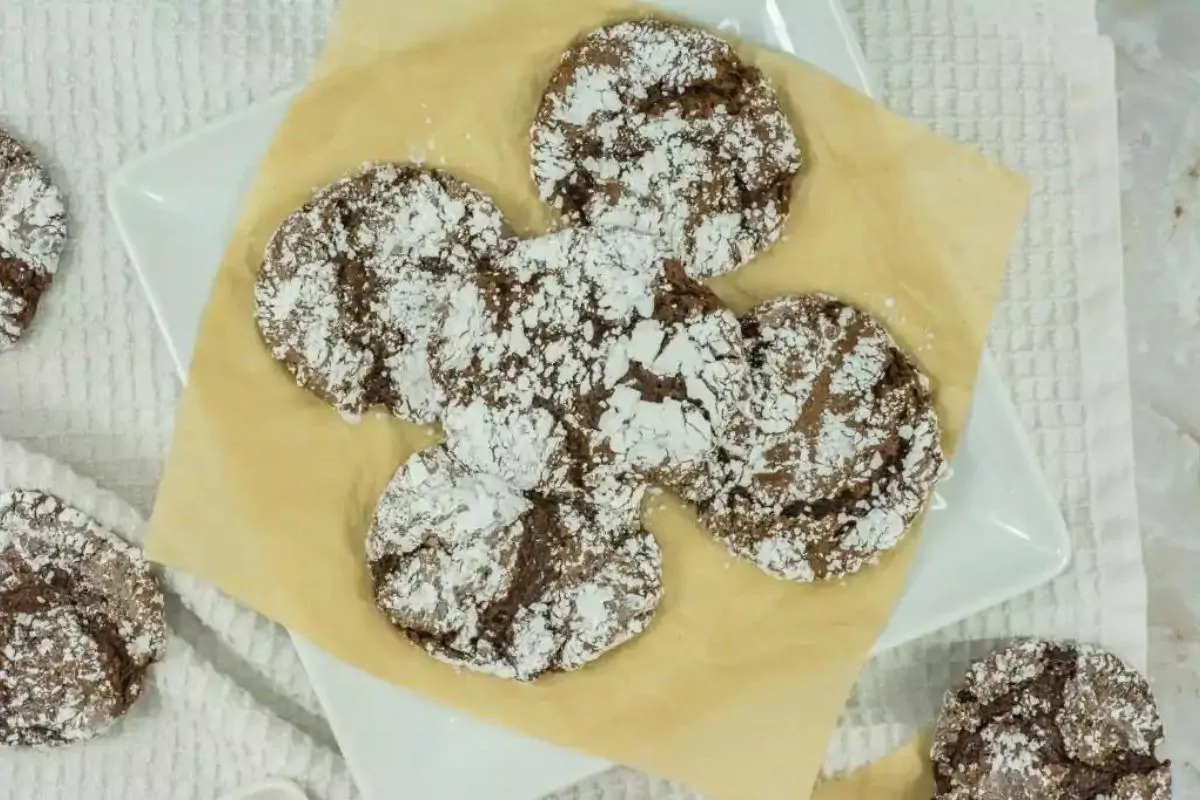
(350, 281)
(659, 127)
(33, 230)
(602, 331)
(836, 451)
(506, 582)
(1048, 721)
(81, 620)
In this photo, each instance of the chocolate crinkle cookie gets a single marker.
(349, 283)
(81, 620)
(506, 582)
(33, 230)
(836, 451)
(660, 127)
(1048, 721)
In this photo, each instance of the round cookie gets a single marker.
(350, 282)
(81, 620)
(661, 128)
(600, 330)
(837, 450)
(503, 582)
(33, 230)
(1047, 721)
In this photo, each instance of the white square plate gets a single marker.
(993, 530)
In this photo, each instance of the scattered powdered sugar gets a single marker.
(836, 449)
(659, 127)
(1046, 719)
(32, 235)
(350, 283)
(501, 581)
(81, 618)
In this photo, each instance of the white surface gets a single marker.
(994, 530)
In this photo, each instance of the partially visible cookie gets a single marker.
(601, 330)
(350, 282)
(33, 230)
(1047, 721)
(81, 620)
(836, 452)
(660, 127)
(504, 582)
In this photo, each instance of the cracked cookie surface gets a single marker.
(836, 451)
(1050, 721)
(506, 582)
(81, 620)
(660, 127)
(349, 283)
(596, 345)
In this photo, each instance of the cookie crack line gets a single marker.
(702, 97)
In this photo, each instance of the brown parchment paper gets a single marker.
(268, 492)
(904, 775)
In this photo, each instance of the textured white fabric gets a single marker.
(194, 734)
(92, 83)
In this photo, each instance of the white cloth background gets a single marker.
(92, 83)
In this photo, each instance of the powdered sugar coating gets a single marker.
(350, 282)
(539, 324)
(524, 445)
(837, 448)
(81, 619)
(1043, 721)
(600, 330)
(54, 680)
(502, 581)
(32, 234)
(659, 127)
